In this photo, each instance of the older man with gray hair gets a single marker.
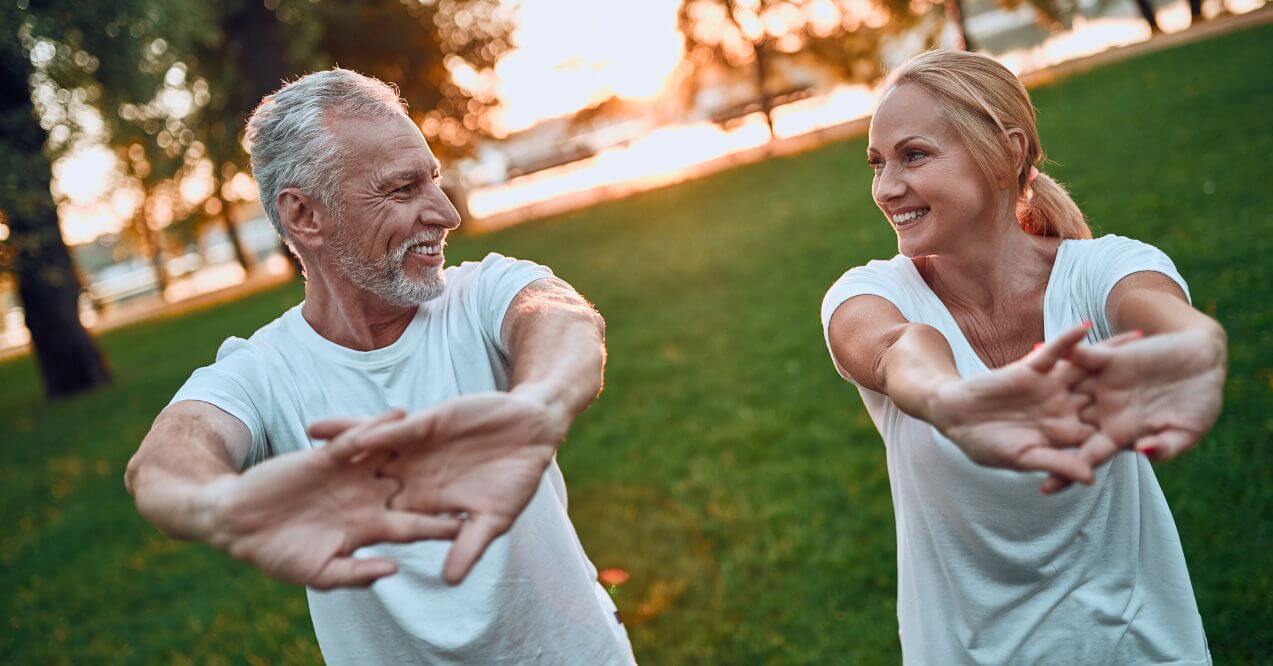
(399, 403)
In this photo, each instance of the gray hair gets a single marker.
(291, 146)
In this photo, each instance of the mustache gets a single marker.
(400, 252)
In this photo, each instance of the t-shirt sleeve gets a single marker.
(498, 281)
(234, 383)
(1110, 259)
(875, 279)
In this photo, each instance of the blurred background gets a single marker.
(696, 168)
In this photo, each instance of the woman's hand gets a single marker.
(1159, 394)
(1022, 416)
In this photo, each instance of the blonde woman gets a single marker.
(944, 344)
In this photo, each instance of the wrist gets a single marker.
(556, 415)
(206, 510)
(939, 402)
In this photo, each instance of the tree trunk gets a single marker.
(955, 14)
(151, 245)
(1147, 11)
(48, 286)
(232, 232)
(762, 87)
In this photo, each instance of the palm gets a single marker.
(481, 455)
(1015, 416)
(300, 516)
(1161, 394)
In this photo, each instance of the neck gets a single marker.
(1002, 266)
(350, 316)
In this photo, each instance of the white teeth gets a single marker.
(430, 248)
(911, 216)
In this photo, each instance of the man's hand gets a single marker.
(1021, 415)
(1159, 395)
(299, 517)
(481, 455)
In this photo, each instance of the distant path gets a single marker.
(788, 146)
(853, 128)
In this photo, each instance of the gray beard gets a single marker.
(385, 277)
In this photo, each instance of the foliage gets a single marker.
(726, 467)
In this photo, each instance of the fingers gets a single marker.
(1065, 464)
(1043, 358)
(1122, 338)
(477, 533)
(351, 572)
(349, 443)
(1166, 445)
(411, 431)
(1098, 448)
(1054, 484)
(407, 526)
(331, 428)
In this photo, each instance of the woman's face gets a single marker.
(929, 186)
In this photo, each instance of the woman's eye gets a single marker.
(913, 155)
(875, 164)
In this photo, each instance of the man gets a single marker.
(491, 362)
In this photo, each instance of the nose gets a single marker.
(440, 211)
(888, 186)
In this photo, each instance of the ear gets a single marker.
(301, 217)
(1018, 143)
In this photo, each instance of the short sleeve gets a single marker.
(1108, 260)
(235, 384)
(498, 281)
(877, 278)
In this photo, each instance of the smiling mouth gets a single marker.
(911, 217)
(427, 248)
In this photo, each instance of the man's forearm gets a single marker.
(559, 359)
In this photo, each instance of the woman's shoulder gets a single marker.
(892, 279)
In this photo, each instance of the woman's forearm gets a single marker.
(913, 369)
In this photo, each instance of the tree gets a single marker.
(842, 35)
(57, 57)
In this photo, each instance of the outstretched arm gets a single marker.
(298, 517)
(1012, 417)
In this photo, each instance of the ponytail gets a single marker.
(1046, 209)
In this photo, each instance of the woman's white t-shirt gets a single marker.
(533, 598)
(989, 570)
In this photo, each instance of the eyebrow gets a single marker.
(408, 175)
(899, 143)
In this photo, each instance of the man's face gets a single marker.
(390, 237)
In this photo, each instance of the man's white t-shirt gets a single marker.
(533, 598)
(989, 570)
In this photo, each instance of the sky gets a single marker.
(570, 54)
(574, 53)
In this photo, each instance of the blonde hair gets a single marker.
(983, 101)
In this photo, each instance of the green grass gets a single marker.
(726, 466)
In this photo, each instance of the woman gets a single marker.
(943, 342)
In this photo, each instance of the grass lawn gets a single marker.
(726, 466)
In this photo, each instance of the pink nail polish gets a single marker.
(1150, 451)
(1037, 346)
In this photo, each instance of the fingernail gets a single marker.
(1150, 451)
(1037, 346)
(1087, 323)
(1138, 333)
